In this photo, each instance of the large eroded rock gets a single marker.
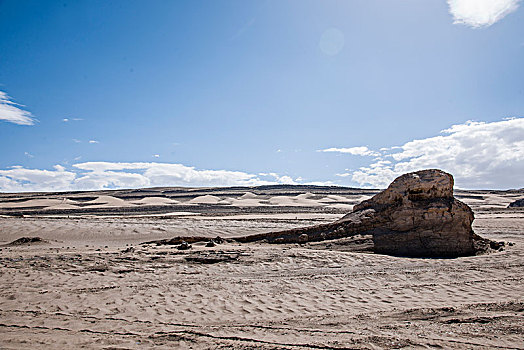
(416, 215)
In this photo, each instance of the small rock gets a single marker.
(99, 268)
(27, 241)
(303, 238)
(212, 257)
(184, 246)
(210, 244)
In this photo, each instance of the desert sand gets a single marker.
(91, 283)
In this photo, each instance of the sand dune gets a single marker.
(249, 195)
(306, 195)
(154, 201)
(31, 203)
(44, 204)
(207, 199)
(488, 200)
(107, 201)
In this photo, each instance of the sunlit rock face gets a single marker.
(417, 215)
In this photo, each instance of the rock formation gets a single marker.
(416, 215)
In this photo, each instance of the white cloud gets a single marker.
(10, 112)
(356, 151)
(18, 179)
(287, 180)
(480, 13)
(93, 141)
(275, 178)
(29, 155)
(76, 141)
(477, 154)
(98, 176)
(156, 155)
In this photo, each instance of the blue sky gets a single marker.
(98, 94)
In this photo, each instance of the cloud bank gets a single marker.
(478, 154)
(10, 111)
(109, 175)
(480, 13)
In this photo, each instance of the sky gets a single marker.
(128, 94)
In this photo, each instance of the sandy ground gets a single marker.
(93, 285)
